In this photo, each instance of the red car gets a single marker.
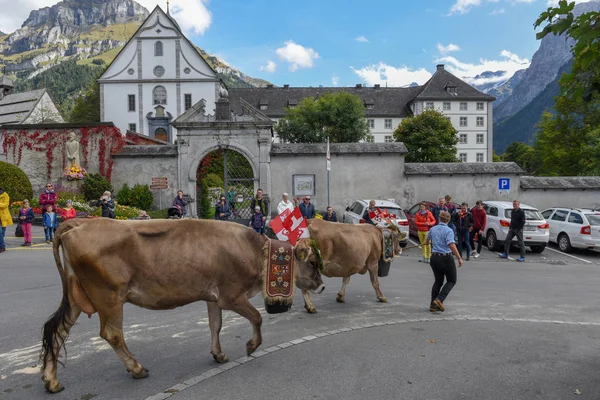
(410, 215)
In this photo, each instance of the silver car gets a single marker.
(354, 214)
(574, 228)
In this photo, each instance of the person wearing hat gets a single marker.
(285, 204)
(257, 220)
(223, 211)
(69, 212)
(5, 217)
(307, 208)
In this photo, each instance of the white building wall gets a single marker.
(471, 149)
(380, 132)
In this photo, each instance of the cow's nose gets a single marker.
(319, 289)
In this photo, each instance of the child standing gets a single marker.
(26, 217)
(50, 223)
(257, 220)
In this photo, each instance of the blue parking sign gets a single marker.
(504, 184)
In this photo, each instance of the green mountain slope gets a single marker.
(521, 127)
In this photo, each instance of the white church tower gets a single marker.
(155, 78)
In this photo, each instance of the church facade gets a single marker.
(155, 78)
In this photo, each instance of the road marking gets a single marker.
(193, 381)
(28, 248)
(509, 257)
(569, 255)
(20, 238)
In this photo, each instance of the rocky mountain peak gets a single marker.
(84, 13)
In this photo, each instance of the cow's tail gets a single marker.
(55, 331)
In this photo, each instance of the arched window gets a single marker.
(158, 49)
(159, 95)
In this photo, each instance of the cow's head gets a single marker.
(397, 235)
(309, 276)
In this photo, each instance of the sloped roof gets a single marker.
(386, 101)
(560, 182)
(435, 88)
(462, 168)
(337, 148)
(147, 151)
(15, 108)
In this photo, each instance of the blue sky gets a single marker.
(345, 42)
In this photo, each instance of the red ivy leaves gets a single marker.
(102, 137)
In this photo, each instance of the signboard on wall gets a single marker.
(303, 185)
(159, 183)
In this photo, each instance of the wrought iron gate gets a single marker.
(237, 185)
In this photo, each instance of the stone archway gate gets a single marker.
(244, 131)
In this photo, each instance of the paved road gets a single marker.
(512, 331)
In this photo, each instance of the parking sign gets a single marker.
(504, 184)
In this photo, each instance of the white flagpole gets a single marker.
(328, 172)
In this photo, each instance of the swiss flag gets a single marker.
(376, 215)
(296, 224)
(277, 226)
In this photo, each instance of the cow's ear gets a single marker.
(300, 253)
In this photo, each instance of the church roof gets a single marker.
(15, 108)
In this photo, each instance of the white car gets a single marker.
(574, 228)
(536, 232)
(354, 214)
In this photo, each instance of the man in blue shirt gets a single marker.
(442, 264)
(307, 209)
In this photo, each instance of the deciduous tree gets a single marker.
(429, 137)
(521, 154)
(339, 116)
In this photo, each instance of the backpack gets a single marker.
(19, 231)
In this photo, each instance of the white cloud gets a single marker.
(464, 6)
(447, 49)
(498, 11)
(297, 55)
(509, 63)
(361, 39)
(335, 80)
(390, 75)
(192, 15)
(554, 3)
(270, 67)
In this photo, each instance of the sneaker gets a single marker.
(521, 259)
(2, 249)
(423, 260)
(428, 260)
(475, 255)
(440, 306)
(28, 244)
(503, 255)
(433, 308)
(24, 244)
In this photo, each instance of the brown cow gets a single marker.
(159, 265)
(345, 250)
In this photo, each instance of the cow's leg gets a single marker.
(308, 304)
(242, 306)
(342, 293)
(215, 321)
(375, 283)
(111, 330)
(49, 368)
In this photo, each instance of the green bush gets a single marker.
(206, 208)
(94, 185)
(158, 214)
(15, 182)
(124, 195)
(213, 180)
(141, 197)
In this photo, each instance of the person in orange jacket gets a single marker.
(424, 220)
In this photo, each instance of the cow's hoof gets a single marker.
(220, 358)
(251, 347)
(54, 386)
(144, 373)
(311, 310)
(340, 299)
(382, 299)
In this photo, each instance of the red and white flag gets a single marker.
(296, 224)
(277, 225)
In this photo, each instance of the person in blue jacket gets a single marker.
(307, 208)
(50, 223)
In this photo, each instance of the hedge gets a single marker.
(15, 182)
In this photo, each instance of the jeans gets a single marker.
(26, 231)
(49, 231)
(259, 230)
(509, 237)
(474, 232)
(425, 249)
(442, 267)
(2, 234)
(463, 235)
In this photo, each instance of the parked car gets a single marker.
(354, 214)
(574, 228)
(536, 232)
(410, 215)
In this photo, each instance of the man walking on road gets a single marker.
(479, 221)
(442, 264)
(517, 223)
